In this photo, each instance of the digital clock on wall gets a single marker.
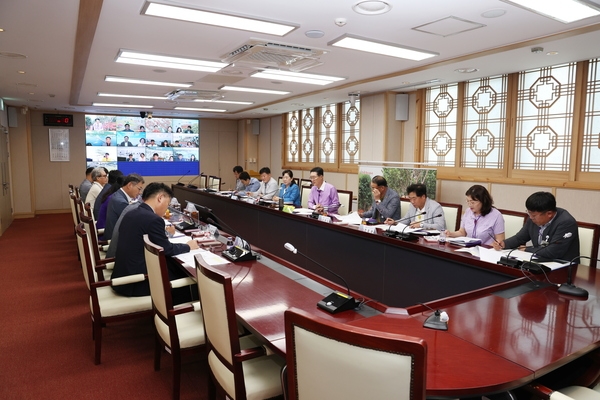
(58, 120)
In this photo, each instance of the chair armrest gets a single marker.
(105, 261)
(539, 391)
(249, 354)
(177, 283)
(99, 231)
(125, 280)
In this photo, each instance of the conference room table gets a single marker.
(503, 333)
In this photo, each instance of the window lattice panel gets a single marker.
(544, 118)
(484, 127)
(293, 137)
(440, 125)
(308, 135)
(590, 159)
(328, 134)
(350, 133)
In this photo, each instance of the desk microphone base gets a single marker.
(434, 322)
(238, 254)
(401, 236)
(337, 302)
(572, 290)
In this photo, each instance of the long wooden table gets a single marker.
(497, 340)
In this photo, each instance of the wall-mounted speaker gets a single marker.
(12, 117)
(256, 127)
(401, 107)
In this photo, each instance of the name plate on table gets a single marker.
(325, 218)
(367, 228)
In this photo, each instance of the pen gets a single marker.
(494, 238)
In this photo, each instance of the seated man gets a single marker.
(386, 202)
(146, 219)
(268, 188)
(86, 184)
(131, 189)
(552, 231)
(237, 170)
(323, 196)
(249, 185)
(424, 211)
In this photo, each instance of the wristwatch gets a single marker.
(377, 201)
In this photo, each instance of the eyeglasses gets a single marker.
(312, 178)
(103, 176)
(471, 202)
(140, 188)
(412, 198)
(533, 215)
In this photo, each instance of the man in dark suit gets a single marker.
(552, 231)
(131, 189)
(146, 219)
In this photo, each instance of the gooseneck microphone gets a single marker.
(510, 262)
(193, 179)
(179, 180)
(336, 301)
(568, 288)
(537, 267)
(409, 236)
(389, 232)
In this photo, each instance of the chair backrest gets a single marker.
(345, 197)
(160, 287)
(220, 326)
(452, 215)
(404, 206)
(390, 365)
(214, 182)
(305, 182)
(203, 182)
(75, 214)
(84, 255)
(513, 221)
(589, 235)
(304, 193)
(92, 240)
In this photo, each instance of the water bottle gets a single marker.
(442, 238)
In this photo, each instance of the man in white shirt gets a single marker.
(99, 179)
(268, 187)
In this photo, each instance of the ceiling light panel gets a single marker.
(252, 90)
(132, 96)
(224, 101)
(561, 10)
(199, 109)
(121, 105)
(298, 77)
(155, 60)
(377, 47)
(119, 79)
(217, 19)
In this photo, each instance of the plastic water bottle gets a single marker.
(442, 238)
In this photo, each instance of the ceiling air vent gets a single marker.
(263, 54)
(191, 95)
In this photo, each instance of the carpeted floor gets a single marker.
(46, 347)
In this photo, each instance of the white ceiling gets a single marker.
(45, 32)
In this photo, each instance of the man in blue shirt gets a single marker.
(250, 184)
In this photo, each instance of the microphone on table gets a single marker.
(336, 301)
(179, 180)
(389, 232)
(568, 288)
(510, 262)
(534, 267)
(193, 179)
(411, 236)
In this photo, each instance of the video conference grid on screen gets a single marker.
(147, 146)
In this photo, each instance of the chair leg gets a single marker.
(212, 389)
(97, 334)
(157, 351)
(176, 373)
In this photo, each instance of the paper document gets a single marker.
(353, 218)
(400, 227)
(210, 258)
(463, 241)
(474, 251)
(303, 211)
(490, 255)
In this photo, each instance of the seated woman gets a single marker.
(480, 220)
(289, 191)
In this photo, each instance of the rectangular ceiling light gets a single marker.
(217, 19)
(386, 49)
(155, 60)
(252, 90)
(224, 101)
(120, 105)
(561, 10)
(119, 79)
(199, 109)
(132, 96)
(298, 77)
